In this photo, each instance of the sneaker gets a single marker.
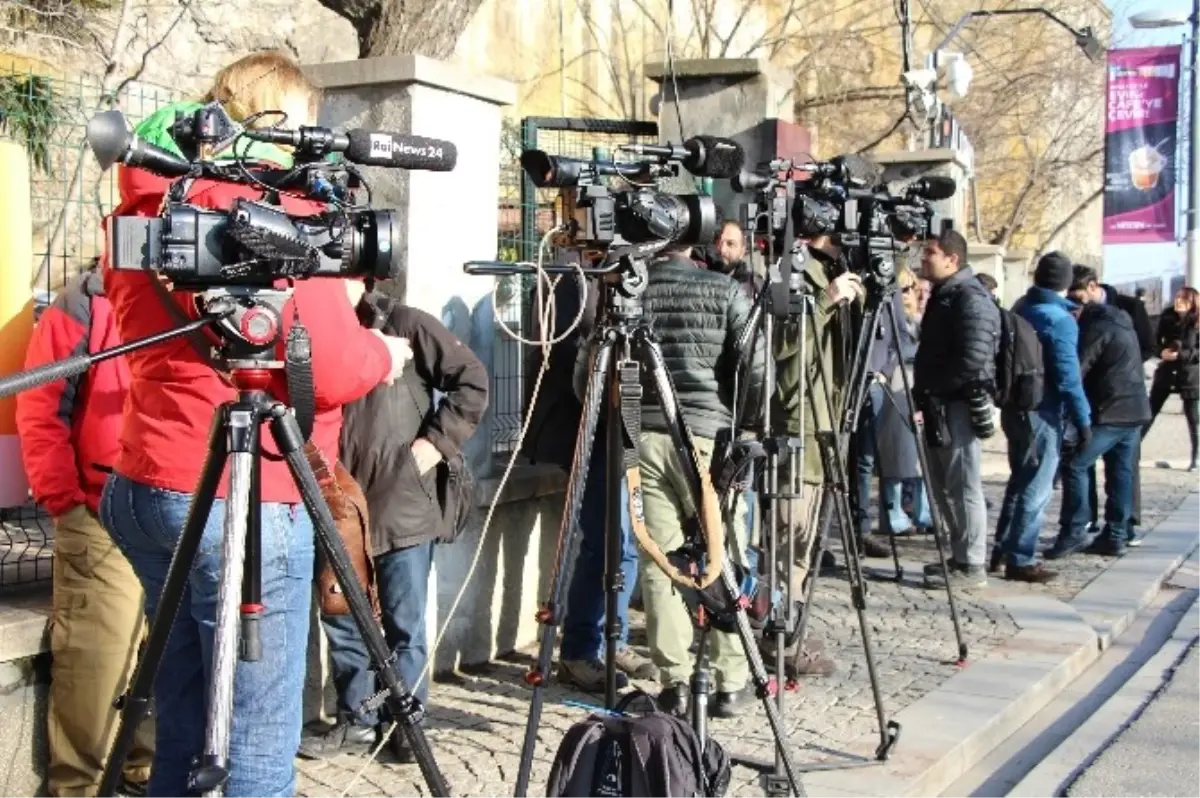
(1133, 540)
(936, 567)
(635, 665)
(587, 675)
(871, 546)
(1106, 546)
(1036, 574)
(344, 738)
(963, 577)
(1063, 548)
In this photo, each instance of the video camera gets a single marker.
(845, 199)
(596, 215)
(256, 242)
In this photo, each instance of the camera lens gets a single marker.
(981, 411)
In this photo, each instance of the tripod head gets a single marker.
(247, 322)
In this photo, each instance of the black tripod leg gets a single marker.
(889, 731)
(404, 707)
(564, 559)
(136, 701)
(935, 514)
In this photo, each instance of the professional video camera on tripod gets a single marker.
(238, 266)
(618, 231)
(862, 228)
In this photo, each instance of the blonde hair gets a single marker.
(259, 82)
(905, 276)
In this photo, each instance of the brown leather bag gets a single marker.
(348, 506)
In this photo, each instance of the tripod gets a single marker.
(247, 321)
(622, 344)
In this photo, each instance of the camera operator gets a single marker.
(405, 451)
(954, 373)
(834, 289)
(68, 431)
(551, 438)
(698, 316)
(173, 395)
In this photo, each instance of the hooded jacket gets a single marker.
(1052, 319)
(69, 429)
(174, 392)
(1110, 365)
(1138, 315)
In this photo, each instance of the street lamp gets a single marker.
(924, 82)
(1159, 18)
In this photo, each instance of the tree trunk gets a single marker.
(410, 27)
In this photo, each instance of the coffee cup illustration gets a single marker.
(1145, 165)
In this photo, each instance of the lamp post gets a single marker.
(1175, 19)
(925, 81)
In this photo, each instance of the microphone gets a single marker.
(933, 187)
(703, 156)
(152, 158)
(395, 151)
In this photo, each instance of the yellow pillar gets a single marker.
(16, 307)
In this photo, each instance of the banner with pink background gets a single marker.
(1140, 145)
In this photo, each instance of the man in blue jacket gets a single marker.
(1035, 439)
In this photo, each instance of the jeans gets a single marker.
(865, 454)
(1033, 450)
(956, 482)
(146, 523)
(893, 519)
(1118, 447)
(403, 580)
(583, 626)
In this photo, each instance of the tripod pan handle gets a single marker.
(58, 370)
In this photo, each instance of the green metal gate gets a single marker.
(526, 213)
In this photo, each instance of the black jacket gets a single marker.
(554, 417)
(741, 271)
(1138, 315)
(1183, 373)
(1110, 364)
(959, 335)
(696, 316)
(408, 508)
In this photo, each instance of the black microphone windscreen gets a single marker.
(937, 187)
(722, 158)
(375, 148)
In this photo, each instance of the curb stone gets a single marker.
(945, 733)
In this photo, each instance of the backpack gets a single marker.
(649, 754)
(1020, 370)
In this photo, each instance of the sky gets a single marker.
(1127, 262)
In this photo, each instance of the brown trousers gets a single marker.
(95, 629)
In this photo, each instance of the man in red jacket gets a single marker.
(173, 397)
(68, 432)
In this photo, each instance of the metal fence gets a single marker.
(526, 213)
(69, 197)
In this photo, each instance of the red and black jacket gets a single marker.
(70, 429)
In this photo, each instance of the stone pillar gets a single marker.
(744, 99)
(446, 218)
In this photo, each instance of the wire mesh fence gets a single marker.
(526, 214)
(69, 196)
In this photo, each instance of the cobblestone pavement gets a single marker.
(477, 719)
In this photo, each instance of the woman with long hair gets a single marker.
(899, 468)
(1179, 370)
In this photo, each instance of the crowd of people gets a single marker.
(114, 456)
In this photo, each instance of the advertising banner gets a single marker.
(1140, 145)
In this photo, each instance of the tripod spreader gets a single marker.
(77, 364)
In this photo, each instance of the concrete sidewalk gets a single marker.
(953, 727)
